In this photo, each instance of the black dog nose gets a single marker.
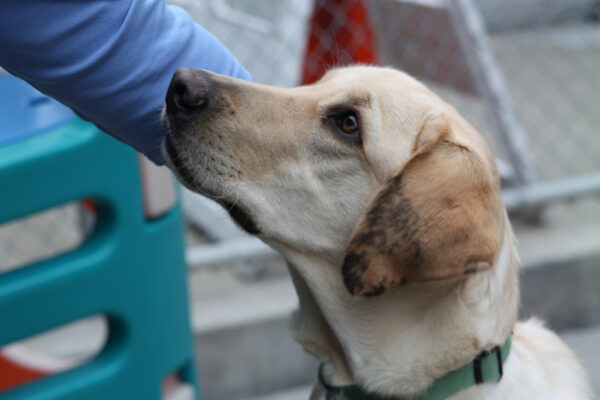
(188, 90)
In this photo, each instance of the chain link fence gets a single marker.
(523, 72)
(547, 53)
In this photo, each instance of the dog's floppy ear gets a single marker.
(438, 217)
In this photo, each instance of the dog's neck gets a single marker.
(398, 343)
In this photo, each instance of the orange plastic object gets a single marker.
(13, 374)
(339, 34)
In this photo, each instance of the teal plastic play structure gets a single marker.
(130, 269)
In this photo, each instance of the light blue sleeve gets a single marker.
(111, 61)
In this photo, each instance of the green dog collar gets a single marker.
(486, 367)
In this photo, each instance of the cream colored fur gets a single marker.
(273, 153)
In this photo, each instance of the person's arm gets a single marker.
(110, 61)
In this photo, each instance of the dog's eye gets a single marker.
(349, 124)
(346, 124)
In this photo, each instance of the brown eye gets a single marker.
(349, 124)
(346, 124)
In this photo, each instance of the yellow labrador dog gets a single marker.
(386, 204)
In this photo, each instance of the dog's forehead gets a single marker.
(366, 76)
(391, 89)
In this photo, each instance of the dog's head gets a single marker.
(366, 167)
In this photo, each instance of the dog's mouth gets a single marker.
(185, 175)
(241, 217)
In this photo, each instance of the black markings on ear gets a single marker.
(392, 222)
(366, 237)
(355, 264)
(390, 228)
(377, 289)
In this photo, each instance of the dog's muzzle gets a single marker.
(187, 97)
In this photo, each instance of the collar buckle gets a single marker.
(479, 379)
